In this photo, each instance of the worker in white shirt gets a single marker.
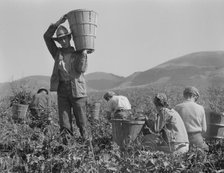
(119, 106)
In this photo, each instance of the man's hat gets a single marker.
(61, 32)
(42, 89)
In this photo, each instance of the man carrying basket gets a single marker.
(68, 78)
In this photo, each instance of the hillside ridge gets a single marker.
(201, 69)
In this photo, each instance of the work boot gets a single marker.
(66, 136)
(84, 134)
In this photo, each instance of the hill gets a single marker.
(33, 83)
(201, 69)
(103, 81)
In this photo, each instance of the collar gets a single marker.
(189, 100)
(68, 50)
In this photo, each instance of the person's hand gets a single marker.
(84, 52)
(61, 20)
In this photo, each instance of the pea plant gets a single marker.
(26, 148)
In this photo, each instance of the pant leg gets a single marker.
(197, 140)
(79, 110)
(64, 108)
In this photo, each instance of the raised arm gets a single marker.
(51, 45)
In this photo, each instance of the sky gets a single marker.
(132, 35)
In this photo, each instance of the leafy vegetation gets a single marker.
(20, 94)
(28, 149)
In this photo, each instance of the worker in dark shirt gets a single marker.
(39, 108)
(68, 78)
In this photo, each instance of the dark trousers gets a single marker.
(67, 103)
(197, 140)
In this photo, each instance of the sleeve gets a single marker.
(81, 63)
(150, 124)
(157, 124)
(110, 106)
(176, 108)
(160, 123)
(51, 45)
(162, 120)
(128, 104)
(204, 124)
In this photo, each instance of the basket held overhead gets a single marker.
(83, 25)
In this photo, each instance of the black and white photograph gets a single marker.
(112, 86)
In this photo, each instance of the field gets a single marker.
(27, 149)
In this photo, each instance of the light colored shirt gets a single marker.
(118, 102)
(172, 123)
(193, 116)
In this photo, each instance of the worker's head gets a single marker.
(63, 36)
(108, 95)
(191, 92)
(42, 90)
(160, 100)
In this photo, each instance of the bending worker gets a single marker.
(119, 106)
